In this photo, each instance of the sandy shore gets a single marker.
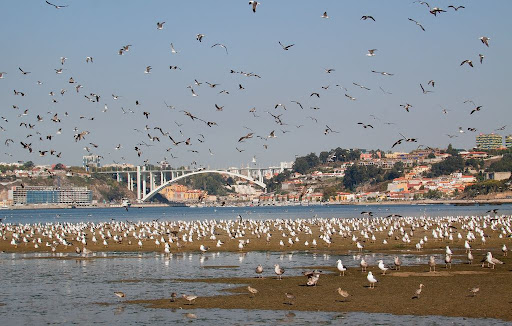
(445, 293)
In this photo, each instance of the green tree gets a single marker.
(28, 165)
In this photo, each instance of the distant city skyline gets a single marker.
(37, 36)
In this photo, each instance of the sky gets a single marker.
(35, 35)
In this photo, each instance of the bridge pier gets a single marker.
(138, 183)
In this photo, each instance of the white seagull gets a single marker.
(372, 280)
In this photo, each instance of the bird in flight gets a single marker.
(424, 91)
(478, 108)
(221, 45)
(299, 104)
(371, 52)
(485, 40)
(160, 25)
(254, 5)
(199, 37)
(434, 11)
(367, 17)
(56, 6)
(421, 26)
(383, 73)
(249, 135)
(406, 106)
(365, 126)
(469, 62)
(324, 15)
(286, 47)
(456, 8)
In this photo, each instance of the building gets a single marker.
(508, 141)
(489, 141)
(78, 196)
(91, 161)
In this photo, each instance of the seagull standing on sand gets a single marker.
(372, 280)
(343, 293)
(474, 291)
(363, 265)
(278, 270)
(120, 294)
(491, 260)
(398, 262)
(252, 291)
(418, 292)
(189, 298)
(382, 267)
(340, 267)
(432, 263)
(505, 250)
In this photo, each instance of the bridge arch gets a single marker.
(162, 186)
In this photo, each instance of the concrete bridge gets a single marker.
(147, 183)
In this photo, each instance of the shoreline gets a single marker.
(456, 202)
(446, 293)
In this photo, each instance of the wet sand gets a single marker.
(445, 293)
(339, 245)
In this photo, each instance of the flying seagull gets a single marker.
(221, 45)
(56, 6)
(286, 47)
(421, 26)
(324, 15)
(254, 5)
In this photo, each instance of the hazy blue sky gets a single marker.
(35, 35)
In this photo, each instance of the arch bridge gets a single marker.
(148, 183)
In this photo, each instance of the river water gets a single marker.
(266, 212)
(43, 289)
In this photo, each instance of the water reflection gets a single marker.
(65, 288)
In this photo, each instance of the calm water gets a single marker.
(268, 212)
(42, 289)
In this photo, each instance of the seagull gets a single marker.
(278, 270)
(382, 73)
(456, 8)
(365, 126)
(199, 37)
(382, 267)
(371, 279)
(120, 294)
(221, 45)
(189, 298)
(434, 11)
(491, 260)
(478, 108)
(324, 15)
(474, 291)
(367, 17)
(286, 47)
(56, 6)
(406, 106)
(173, 50)
(421, 26)
(160, 25)
(2, 75)
(259, 270)
(252, 290)
(254, 5)
(340, 267)
(363, 264)
(485, 40)
(469, 62)
(418, 292)
(371, 52)
(432, 263)
(398, 262)
(148, 70)
(290, 298)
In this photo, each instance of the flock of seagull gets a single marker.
(38, 140)
(318, 233)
